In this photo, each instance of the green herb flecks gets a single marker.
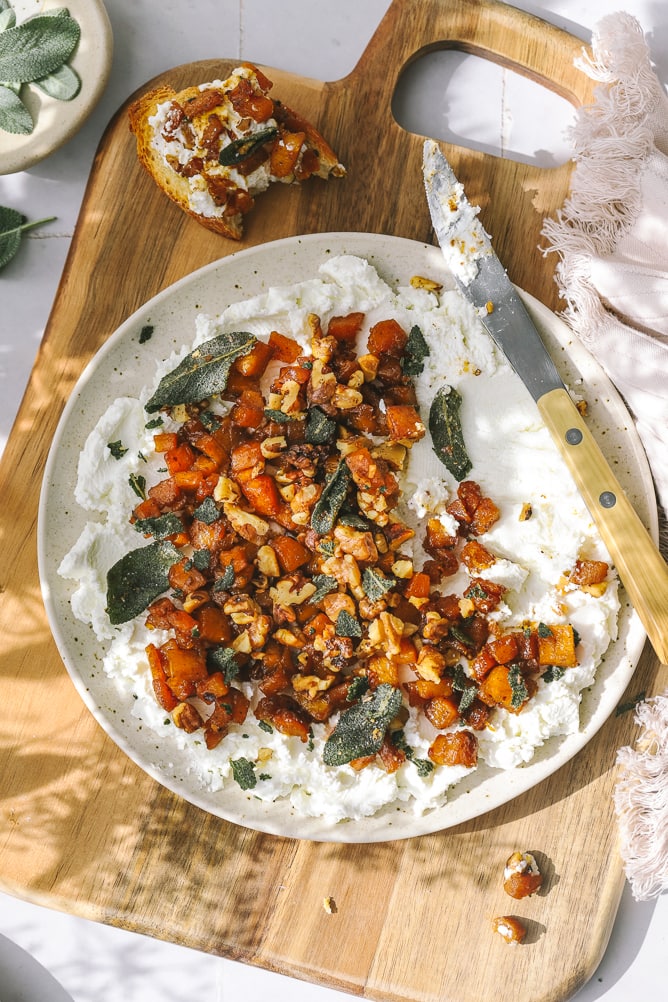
(240, 149)
(137, 579)
(415, 352)
(138, 485)
(35, 52)
(376, 584)
(146, 333)
(320, 429)
(13, 225)
(244, 773)
(361, 729)
(330, 502)
(446, 432)
(117, 449)
(201, 373)
(423, 765)
(552, 673)
(160, 527)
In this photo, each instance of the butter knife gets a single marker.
(483, 280)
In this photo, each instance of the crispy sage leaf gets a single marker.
(137, 579)
(329, 504)
(201, 373)
(324, 584)
(224, 660)
(238, 150)
(63, 84)
(361, 729)
(415, 352)
(446, 432)
(37, 47)
(319, 428)
(160, 527)
(376, 584)
(347, 626)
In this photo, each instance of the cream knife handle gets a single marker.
(640, 566)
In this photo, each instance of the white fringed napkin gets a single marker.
(612, 239)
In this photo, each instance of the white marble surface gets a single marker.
(322, 40)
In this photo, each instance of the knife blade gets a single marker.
(483, 280)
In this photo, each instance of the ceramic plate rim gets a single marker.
(395, 255)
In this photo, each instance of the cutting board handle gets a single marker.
(487, 28)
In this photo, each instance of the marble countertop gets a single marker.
(324, 41)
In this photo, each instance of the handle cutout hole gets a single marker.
(511, 116)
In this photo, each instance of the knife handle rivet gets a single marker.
(607, 499)
(573, 436)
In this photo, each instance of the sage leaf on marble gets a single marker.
(14, 116)
(201, 373)
(12, 227)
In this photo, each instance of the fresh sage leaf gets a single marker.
(14, 116)
(137, 579)
(446, 432)
(37, 47)
(330, 502)
(238, 150)
(63, 84)
(12, 227)
(7, 18)
(361, 729)
(201, 373)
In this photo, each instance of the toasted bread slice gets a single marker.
(212, 148)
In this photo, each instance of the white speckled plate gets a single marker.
(57, 121)
(119, 368)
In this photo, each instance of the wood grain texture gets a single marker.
(81, 828)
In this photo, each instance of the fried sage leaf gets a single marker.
(137, 579)
(331, 500)
(161, 526)
(361, 729)
(240, 149)
(446, 432)
(415, 352)
(201, 373)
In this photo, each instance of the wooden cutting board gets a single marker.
(81, 827)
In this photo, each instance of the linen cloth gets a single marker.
(611, 236)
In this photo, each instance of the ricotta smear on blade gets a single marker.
(543, 529)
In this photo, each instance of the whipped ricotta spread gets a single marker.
(515, 463)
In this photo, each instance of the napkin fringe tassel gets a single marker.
(641, 802)
(611, 140)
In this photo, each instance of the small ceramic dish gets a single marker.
(57, 121)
